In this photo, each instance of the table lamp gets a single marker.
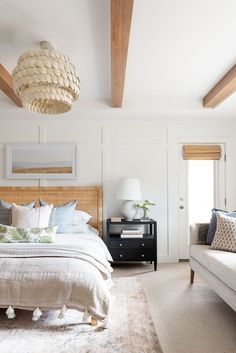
(129, 190)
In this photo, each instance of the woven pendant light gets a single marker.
(46, 81)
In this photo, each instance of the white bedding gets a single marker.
(74, 271)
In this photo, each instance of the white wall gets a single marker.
(110, 150)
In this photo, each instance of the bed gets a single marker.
(72, 273)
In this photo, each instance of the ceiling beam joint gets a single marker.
(223, 89)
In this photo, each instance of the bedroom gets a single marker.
(170, 67)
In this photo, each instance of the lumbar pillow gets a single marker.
(36, 217)
(225, 236)
(81, 217)
(212, 225)
(5, 211)
(62, 216)
(9, 234)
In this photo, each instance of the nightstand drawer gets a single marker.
(132, 254)
(131, 243)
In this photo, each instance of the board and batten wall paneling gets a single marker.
(137, 133)
(199, 130)
(149, 164)
(88, 139)
(22, 132)
(12, 132)
(61, 132)
(110, 150)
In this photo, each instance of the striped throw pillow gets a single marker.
(62, 216)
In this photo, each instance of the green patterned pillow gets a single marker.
(9, 234)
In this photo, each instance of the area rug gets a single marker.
(131, 329)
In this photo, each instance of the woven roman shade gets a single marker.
(202, 152)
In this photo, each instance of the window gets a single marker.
(200, 190)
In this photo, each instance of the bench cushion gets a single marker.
(221, 263)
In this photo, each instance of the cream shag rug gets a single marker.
(131, 329)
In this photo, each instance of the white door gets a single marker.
(201, 187)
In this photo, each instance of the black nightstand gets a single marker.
(132, 249)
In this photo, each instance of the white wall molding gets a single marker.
(108, 150)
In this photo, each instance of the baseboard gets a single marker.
(167, 259)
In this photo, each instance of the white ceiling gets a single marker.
(177, 47)
(78, 28)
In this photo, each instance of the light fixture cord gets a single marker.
(46, 45)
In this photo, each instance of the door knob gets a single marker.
(181, 207)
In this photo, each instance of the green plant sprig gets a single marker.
(145, 205)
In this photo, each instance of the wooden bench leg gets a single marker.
(94, 321)
(192, 276)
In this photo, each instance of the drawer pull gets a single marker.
(142, 255)
(142, 244)
(121, 255)
(121, 244)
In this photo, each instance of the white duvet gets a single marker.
(74, 271)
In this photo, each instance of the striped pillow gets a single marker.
(62, 216)
(6, 211)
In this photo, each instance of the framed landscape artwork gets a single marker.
(41, 161)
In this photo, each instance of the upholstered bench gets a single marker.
(216, 267)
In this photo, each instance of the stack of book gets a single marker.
(116, 219)
(131, 233)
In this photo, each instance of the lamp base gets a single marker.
(128, 210)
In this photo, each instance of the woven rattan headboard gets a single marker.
(89, 198)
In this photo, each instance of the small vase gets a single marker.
(145, 215)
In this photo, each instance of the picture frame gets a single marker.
(41, 161)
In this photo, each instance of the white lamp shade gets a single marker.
(129, 189)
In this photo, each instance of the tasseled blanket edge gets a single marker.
(37, 313)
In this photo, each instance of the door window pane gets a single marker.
(200, 190)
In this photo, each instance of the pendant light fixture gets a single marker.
(46, 81)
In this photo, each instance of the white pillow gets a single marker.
(84, 229)
(80, 217)
(26, 218)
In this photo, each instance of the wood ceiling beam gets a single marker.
(6, 85)
(121, 16)
(223, 89)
